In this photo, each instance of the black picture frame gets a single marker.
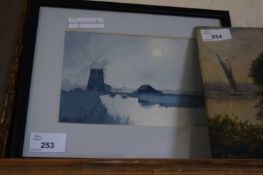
(17, 129)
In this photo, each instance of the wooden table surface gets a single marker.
(31, 166)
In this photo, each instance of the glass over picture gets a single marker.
(130, 80)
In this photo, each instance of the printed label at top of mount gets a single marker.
(85, 23)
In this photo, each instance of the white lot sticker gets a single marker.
(47, 142)
(216, 35)
(85, 23)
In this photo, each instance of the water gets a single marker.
(242, 107)
(153, 114)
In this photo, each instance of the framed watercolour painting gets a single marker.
(108, 80)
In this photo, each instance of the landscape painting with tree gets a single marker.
(130, 80)
(232, 73)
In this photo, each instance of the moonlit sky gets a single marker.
(131, 61)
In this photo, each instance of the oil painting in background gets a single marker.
(232, 73)
(130, 80)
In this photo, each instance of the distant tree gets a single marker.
(256, 73)
(256, 70)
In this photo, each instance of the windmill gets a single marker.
(96, 76)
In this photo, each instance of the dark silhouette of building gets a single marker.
(148, 89)
(96, 80)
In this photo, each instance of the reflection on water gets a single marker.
(153, 114)
(171, 100)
